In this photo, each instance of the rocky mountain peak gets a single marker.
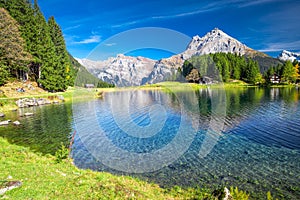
(215, 41)
(216, 34)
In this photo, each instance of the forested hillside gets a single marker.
(33, 48)
(83, 77)
(226, 66)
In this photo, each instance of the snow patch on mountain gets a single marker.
(287, 55)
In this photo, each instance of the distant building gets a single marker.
(275, 79)
(89, 86)
(206, 80)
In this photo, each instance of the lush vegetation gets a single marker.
(226, 66)
(33, 48)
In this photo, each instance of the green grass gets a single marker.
(44, 178)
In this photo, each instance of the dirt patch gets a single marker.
(21, 89)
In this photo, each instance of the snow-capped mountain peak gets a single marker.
(216, 41)
(287, 55)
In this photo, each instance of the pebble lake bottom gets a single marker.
(257, 150)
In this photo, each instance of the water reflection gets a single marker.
(44, 131)
(257, 150)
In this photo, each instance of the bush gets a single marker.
(62, 153)
(240, 195)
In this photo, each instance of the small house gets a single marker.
(89, 86)
(275, 79)
(206, 80)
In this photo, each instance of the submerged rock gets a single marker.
(43, 101)
(4, 122)
(17, 123)
(28, 114)
(26, 102)
(60, 97)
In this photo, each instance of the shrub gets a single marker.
(62, 153)
(240, 195)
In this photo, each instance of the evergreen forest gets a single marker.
(34, 49)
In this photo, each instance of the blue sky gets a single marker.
(266, 25)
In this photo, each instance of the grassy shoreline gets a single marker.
(43, 178)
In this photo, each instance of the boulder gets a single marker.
(2, 115)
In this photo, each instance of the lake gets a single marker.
(245, 137)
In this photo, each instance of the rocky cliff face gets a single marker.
(126, 71)
(121, 70)
(287, 55)
(164, 69)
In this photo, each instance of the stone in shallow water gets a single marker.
(28, 114)
(4, 122)
(17, 123)
(2, 115)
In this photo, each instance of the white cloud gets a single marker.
(91, 39)
(110, 44)
(255, 2)
(279, 46)
(176, 15)
(217, 5)
(71, 28)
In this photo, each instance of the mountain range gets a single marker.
(133, 71)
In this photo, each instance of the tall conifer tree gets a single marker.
(13, 57)
(63, 60)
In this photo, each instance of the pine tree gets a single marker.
(22, 11)
(13, 57)
(187, 68)
(44, 51)
(4, 73)
(296, 71)
(224, 67)
(64, 68)
(252, 73)
(290, 73)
